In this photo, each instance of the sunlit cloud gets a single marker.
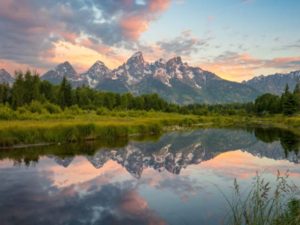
(36, 35)
(83, 57)
(133, 27)
(81, 173)
(34, 29)
(241, 66)
(243, 165)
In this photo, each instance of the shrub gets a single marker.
(74, 109)
(36, 107)
(52, 108)
(22, 110)
(6, 113)
(102, 111)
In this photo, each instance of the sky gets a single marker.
(236, 39)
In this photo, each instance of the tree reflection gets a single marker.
(289, 141)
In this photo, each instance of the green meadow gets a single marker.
(63, 128)
(69, 126)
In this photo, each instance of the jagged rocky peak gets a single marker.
(98, 62)
(189, 84)
(160, 62)
(62, 70)
(98, 66)
(134, 70)
(136, 58)
(95, 74)
(175, 61)
(66, 68)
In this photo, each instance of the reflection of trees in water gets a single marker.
(289, 141)
(267, 135)
(30, 156)
(212, 141)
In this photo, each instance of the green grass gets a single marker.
(265, 203)
(74, 126)
(88, 127)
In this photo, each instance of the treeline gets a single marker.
(288, 103)
(29, 90)
(32, 94)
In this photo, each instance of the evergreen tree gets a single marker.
(289, 104)
(32, 87)
(35, 88)
(287, 89)
(65, 94)
(109, 100)
(138, 103)
(267, 103)
(4, 93)
(297, 95)
(18, 91)
(127, 101)
(297, 88)
(47, 91)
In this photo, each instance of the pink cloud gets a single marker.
(133, 204)
(158, 5)
(42, 25)
(243, 165)
(240, 66)
(134, 26)
(136, 23)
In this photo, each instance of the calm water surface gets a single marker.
(175, 179)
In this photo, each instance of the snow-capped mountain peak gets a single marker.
(99, 62)
(66, 69)
(174, 80)
(98, 72)
(133, 71)
(136, 58)
(5, 77)
(160, 62)
(98, 67)
(62, 70)
(175, 61)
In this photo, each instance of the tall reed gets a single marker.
(265, 204)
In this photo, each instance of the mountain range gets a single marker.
(276, 83)
(174, 80)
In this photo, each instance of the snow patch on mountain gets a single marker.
(5, 77)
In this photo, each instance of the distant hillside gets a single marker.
(275, 83)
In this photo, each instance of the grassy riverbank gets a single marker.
(88, 127)
(61, 128)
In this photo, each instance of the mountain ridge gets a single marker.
(174, 80)
(275, 83)
(5, 77)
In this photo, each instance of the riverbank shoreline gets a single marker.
(29, 133)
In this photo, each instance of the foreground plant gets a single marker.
(265, 203)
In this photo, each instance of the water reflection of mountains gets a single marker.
(173, 151)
